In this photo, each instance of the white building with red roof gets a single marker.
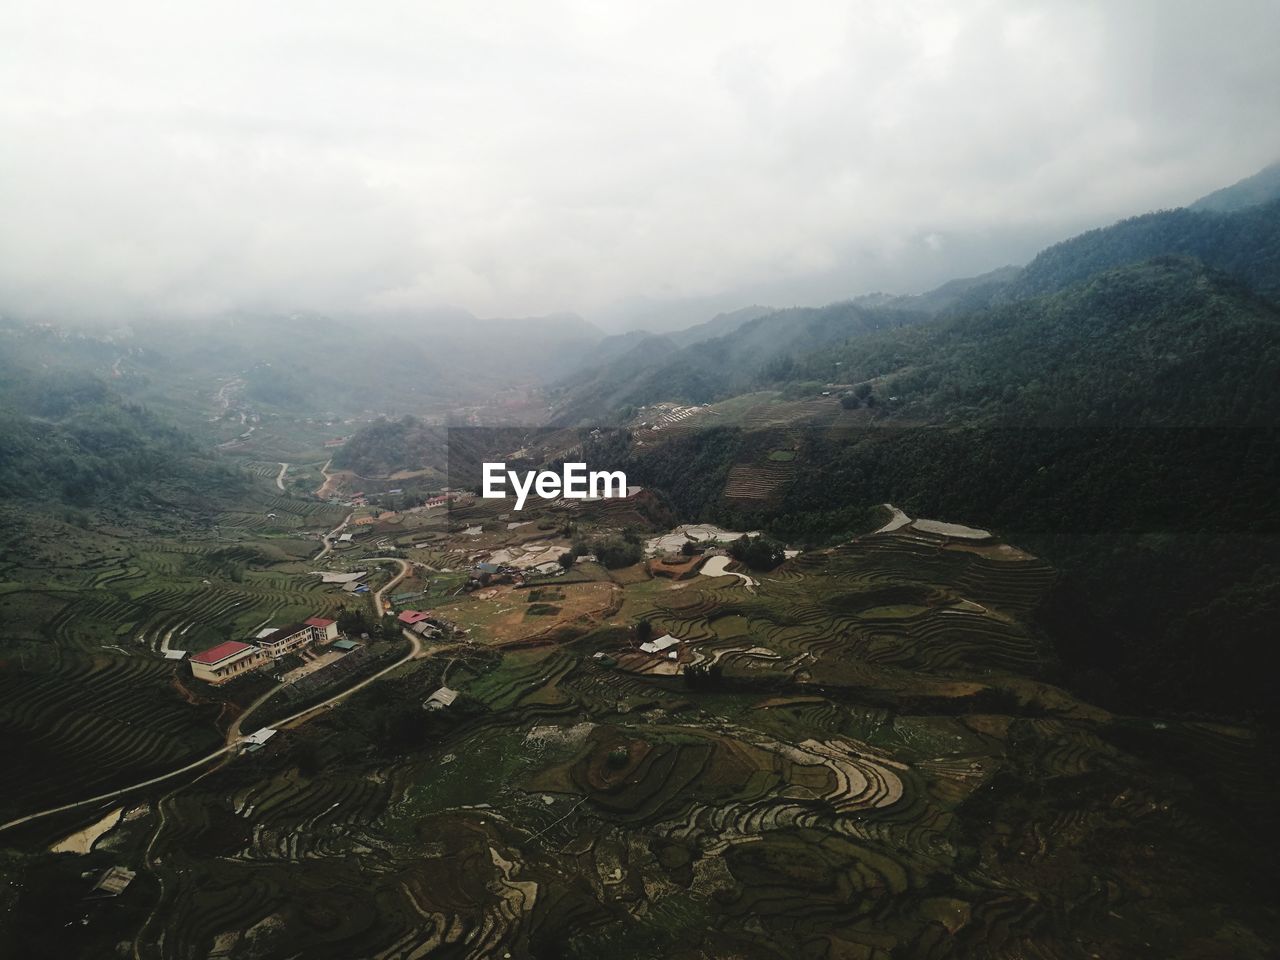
(226, 660)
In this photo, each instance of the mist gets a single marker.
(639, 166)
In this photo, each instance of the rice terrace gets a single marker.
(854, 754)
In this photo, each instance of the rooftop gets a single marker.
(275, 636)
(319, 622)
(221, 652)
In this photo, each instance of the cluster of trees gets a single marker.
(758, 553)
(612, 552)
(381, 448)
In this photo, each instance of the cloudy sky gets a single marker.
(607, 158)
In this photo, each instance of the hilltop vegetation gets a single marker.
(79, 442)
(385, 446)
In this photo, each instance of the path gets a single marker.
(379, 605)
(329, 537)
(415, 651)
(323, 492)
(233, 732)
(280, 476)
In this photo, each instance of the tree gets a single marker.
(644, 631)
(850, 402)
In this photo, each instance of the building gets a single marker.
(113, 882)
(280, 641)
(286, 640)
(410, 617)
(326, 630)
(226, 660)
(440, 699)
(662, 643)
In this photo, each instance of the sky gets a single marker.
(636, 163)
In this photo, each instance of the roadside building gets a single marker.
(226, 660)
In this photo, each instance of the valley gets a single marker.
(932, 626)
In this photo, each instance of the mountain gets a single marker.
(1245, 243)
(720, 325)
(1169, 342)
(1262, 187)
(759, 351)
(77, 441)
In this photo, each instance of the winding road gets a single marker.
(280, 477)
(328, 537)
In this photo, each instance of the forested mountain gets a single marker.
(1262, 187)
(1245, 243)
(760, 351)
(1169, 342)
(78, 442)
(770, 349)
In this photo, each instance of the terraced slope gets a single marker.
(864, 757)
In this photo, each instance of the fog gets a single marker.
(633, 163)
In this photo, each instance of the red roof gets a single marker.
(412, 616)
(319, 622)
(220, 652)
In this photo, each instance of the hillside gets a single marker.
(1124, 427)
(760, 351)
(1167, 342)
(81, 443)
(381, 448)
(1245, 243)
(1262, 187)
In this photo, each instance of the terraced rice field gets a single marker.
(844, 763)
(89, 700)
